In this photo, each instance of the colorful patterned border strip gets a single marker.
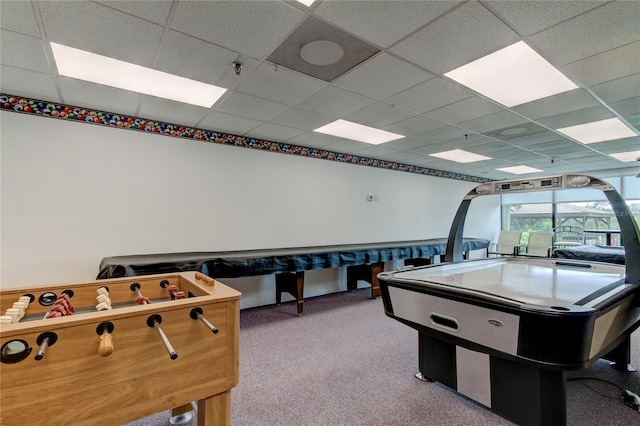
(83, 115)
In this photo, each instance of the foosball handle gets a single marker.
(106, 344)
(104, 330)
(202, 277)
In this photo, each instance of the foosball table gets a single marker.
(112, 351)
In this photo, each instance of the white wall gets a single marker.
(74, 193)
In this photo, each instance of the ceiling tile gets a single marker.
(405, 144)
(633, 119)
(442, 135)
(572, 100)
(432, 94)
(279, 84)
(573, 118)
(217, 22)
(23, 51)
(115, 34)
(102, 98)
(427, 149)
(250, 106)
(379, 115)
(18, 16)
(547, 13)
(620, 145)
(19, 82)
(498, 150)
(346, 146)
(153, 10)
(349, 50)
(559, 147)
(538, 137)
(382, 22)
(176, 56)
(495, 121)
(620, 89)
(314, 140)
(335, 102)
(170, 111)
(414, 126)
(397, 156)
(382, 76)
(607, 27)
(231, 80)
(515, 131)
(426, 161)
(626, 107)
(375, 151)
(597, 69)
(226, 123)
(469, 141)
(478, 33)
(464, 110)
(301, 119)
(274, 132)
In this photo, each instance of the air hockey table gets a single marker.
(503, 331)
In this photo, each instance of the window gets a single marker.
(528, 218)
(588, 209)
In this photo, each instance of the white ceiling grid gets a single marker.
(401, 89)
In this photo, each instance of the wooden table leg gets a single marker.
(292, 283)
(368, 273)
(181, 410)
(215, 410)
(376, 268)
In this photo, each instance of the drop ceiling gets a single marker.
(400, 89)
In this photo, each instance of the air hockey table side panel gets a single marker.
(560, 335)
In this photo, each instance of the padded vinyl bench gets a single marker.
(363, 262)
(607, 254)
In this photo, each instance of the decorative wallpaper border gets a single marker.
(101, 118)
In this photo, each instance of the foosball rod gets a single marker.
(140, 300)
(154, 322)
(196, 313)
(46, 339)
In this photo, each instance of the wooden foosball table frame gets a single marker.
(76, 381)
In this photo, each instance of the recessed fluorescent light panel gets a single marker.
(460, 156)
(626, 157)
(357, 132)
(76, 63)
(519, 170)
(512, 76)
(599, 131)
(306, 2)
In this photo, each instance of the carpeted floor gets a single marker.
(345, 363)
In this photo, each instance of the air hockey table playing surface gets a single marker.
(522, 281)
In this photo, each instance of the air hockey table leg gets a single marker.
(524, 394)
(620, 356)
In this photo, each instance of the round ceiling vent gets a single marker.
(321, 52)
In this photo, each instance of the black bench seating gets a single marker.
(363, 262)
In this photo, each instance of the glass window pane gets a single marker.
(596, 218)
(527, 218)
(631, 188)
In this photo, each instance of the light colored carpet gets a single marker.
(346, 363)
